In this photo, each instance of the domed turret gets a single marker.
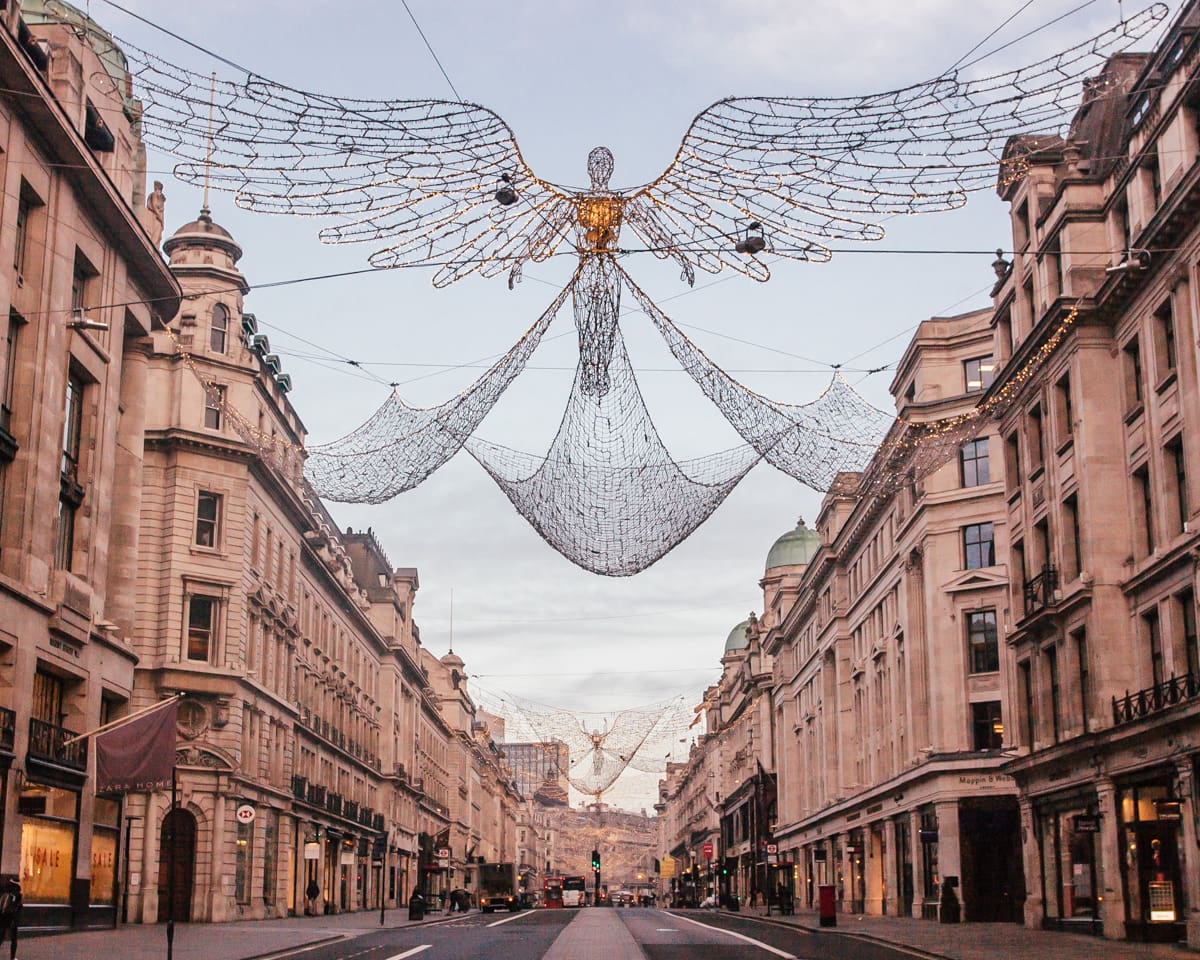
(795, 548)
(203, 232)
(737, 639)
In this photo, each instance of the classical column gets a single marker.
(846, 893)
(220, 872)
(1035, 902)
(916, 644)
(949, 845)
(918, 862)
(891, 871)
(1108, 870)
(122, 584)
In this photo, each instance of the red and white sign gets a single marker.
(772, 848)
(245, 813)
(707, 850)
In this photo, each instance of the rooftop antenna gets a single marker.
(212, 93)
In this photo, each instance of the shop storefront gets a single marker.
(106, 837)
(49, 833)
(1151, 840)
(1068, 836)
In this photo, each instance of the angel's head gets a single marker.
(600, 167)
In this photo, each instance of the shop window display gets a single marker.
(1069, 840)
(105, 834)
(49, 822)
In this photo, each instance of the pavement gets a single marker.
(260, 939)
(240, 940)
(977, 941)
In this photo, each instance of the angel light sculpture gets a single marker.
(443, 183)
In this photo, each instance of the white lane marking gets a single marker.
(741, 936)
(515, 916)
(411, 953)
(666, 930)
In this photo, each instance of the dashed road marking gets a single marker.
(741, 936)
(411, 953)
(515, 916)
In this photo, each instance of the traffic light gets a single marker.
(595, 859)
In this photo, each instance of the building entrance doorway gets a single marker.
(179, 831)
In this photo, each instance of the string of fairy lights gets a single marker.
(443, 181)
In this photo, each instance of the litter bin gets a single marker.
(827, 905)
(416, 906)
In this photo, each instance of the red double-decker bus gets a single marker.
(552, 892)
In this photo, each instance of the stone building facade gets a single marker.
(860, 720)
(890, 695)
(1101, 499)
(81, 287)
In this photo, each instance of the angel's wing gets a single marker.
(812, 171)
(418, 177)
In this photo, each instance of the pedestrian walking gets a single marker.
(311, 893)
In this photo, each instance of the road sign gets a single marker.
(772, 848)
(245, 813)
(707, 850)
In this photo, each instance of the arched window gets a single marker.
(219, 329)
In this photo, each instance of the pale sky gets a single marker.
(566, 77)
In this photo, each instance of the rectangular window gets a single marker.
(1012, 462)
(1085, 675)
(218, 330)
(214, 404)
(982, 641)
(72, 428)
(9, 386)
(208, 519)
(979, 548)
(70, 489)
(82, 287)
(1187, 617)
(1144, 509)
(1177, 489)
(1133, 374)
(1025, 685)
(979, 372)
(1064, 409)
(974, 463)
(1037, 452)
(202, 623)
(29, 209)
(47, 701)
(1154, 642)
(987, 726)
(1166, 348)
(1072, 549)
(1052, 680)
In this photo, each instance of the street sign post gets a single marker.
(707, 850)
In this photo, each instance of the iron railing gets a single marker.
(1162, 696)
(1039, 590)
(48, 742)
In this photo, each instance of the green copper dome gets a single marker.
(737, 638)
(794, 548)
